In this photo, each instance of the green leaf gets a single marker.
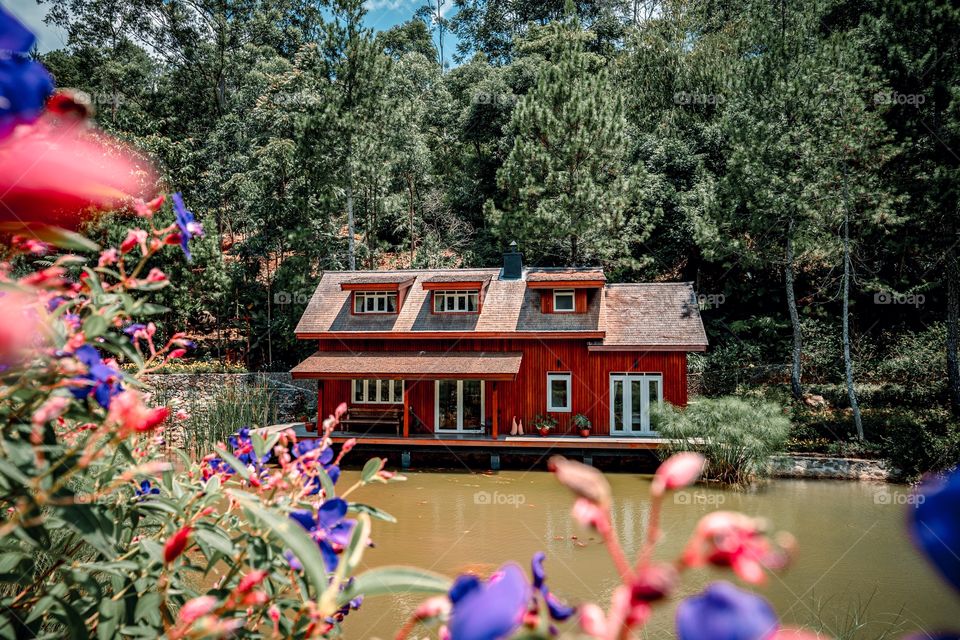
(373, 512)
(326, 483)
(51, 235)
(217, 540)
(358, 542)
(370, 469)
(394, 579)
(94, 325)
(148, 609)
(293, 535)
(230, 459)
(109, 619)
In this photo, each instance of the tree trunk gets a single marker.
(351, 248)
(794, 316)
(410, 213)
(953, 328)
(847, 360)
(573, 250)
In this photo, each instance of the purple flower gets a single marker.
(491, 609)
(188, 226)
(242, 447)
(133, 328)
(558, 610)
(329, 529)
(724, 612)
(14, 37)
(145, 490)
(100, 379)
(935, 525)
(303, 449)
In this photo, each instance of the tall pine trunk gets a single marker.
(795, 386)
(953, 328)
(351, 248)
(847, 360)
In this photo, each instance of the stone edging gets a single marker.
(825, 467)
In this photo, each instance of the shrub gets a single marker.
(736, 436)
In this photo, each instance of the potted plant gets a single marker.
(544, 424)
(582, 423)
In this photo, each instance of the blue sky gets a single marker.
(381, 14)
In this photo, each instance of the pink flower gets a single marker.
(108, 257)
(726, 538)
(249, 581)
(583, 480)
(193, 610)
(677, 471)
(156, 275)
(18, 327)
(134, 238)
(176, 544)
(52, 409)
(590, 515)
(128, 411)
(147, 209)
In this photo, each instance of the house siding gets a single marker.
(526, 396)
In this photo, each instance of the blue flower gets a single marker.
(14, 37)
(133, 328)
(330, 529)
(935, 525)
(724, 612)
(24, 83)
(146, 490)
(491, 609)
(558, 610)
(186, 223)
(242, 447)
(100, 379)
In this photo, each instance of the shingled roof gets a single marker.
(618, 316)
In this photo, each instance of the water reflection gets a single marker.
(853, 550)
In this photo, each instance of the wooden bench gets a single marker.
(373, 417)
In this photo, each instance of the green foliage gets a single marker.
(544, 421)
(736, 436)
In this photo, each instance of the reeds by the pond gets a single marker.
(215, 416)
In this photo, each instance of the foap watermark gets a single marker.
(695, 98)
(707, 300)
(502, 99)
(698, 498)
(889, 297)
(892, 98)
(497, 498)
(282, 298)
(899, 499)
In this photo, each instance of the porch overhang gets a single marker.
(409, 365)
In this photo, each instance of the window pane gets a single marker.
(392, 303)
(357, 303)
(558, 393)
(472, 302)
(461, 302)
(563, 301)
(358, 391)
(437, 301)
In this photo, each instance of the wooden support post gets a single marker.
(319, 423)
(406, 410)
(495, 430)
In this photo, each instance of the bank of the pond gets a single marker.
(819, 467)
(853, 547)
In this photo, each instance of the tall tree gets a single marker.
(567, 170)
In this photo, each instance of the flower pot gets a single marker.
(544, 432)
(584, 433)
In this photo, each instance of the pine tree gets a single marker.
(570, 194)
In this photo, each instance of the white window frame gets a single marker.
(565, 292)
(461, 298)
(564, 377)
(626, 379)
(385, 394)
(363, 300)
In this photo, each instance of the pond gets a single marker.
(854, 560)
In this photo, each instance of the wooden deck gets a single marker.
(505, 442)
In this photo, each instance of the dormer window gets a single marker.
(456, 301)
(563, 301)
(375, 302)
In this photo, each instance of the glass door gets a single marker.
(459, 405)
(630, 398)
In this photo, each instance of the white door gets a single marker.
(459, 405)
(630, 398)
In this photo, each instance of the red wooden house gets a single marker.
(448, 352)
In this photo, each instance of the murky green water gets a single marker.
(853, 555)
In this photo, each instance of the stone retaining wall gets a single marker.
(294, 398)
(825, 467)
